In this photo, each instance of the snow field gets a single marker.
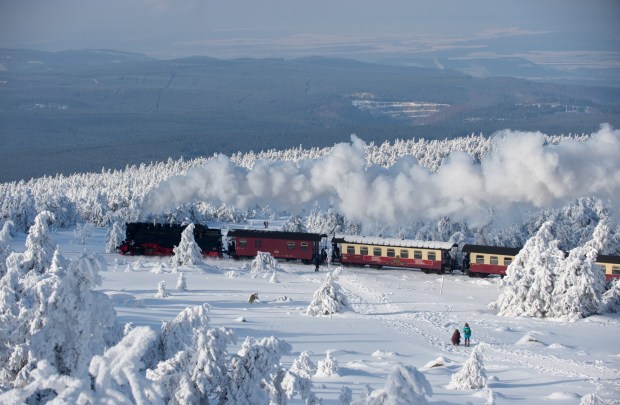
(393, 316)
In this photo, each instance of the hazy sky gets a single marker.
(285, 28)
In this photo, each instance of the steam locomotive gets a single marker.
(429, 256)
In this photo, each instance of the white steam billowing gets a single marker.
(523, 170)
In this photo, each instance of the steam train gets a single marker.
(349, 250)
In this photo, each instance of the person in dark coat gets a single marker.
(316, 261)
(456, 337)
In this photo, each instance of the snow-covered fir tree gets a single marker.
(472, 375)
(39, 245)
(405, 385)
(328, 299)
(263, 264)
(303, 365)
(530, 278)
(199, 370)
(346, 396)
(188, 253)
(328, 366)
(113, 377)
(611, 297)
(581, 283)
(256, 374)
(114, 237)
(294, 224)
(161, 290)
(5, 247)
(181, 282)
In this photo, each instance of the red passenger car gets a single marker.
(281, 245)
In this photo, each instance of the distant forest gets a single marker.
(87, 110)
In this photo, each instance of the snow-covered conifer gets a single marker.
(404, 386)
(529, 281)
(39, 245)
(611, 297)
(294, 224)
(328, 366)
(256, 372)
(581, 283)
(82, 232)
(198, 372)
(114, 237)
(346, 396)
(181, 282)
(161, 290)
(188, 253)
(303, 365)
(176, 335)
(5, 247)
(328, 299)
(158, 268)
(264, 263)
(471, 376)
(75, 319)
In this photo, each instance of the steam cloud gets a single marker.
(523, 171)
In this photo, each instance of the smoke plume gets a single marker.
(523, 171)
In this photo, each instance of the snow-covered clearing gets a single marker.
(393, 317)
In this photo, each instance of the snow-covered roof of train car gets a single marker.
(409, 243)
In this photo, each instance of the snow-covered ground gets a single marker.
(393, 317)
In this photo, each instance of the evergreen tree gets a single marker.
(471, 376)
(328, 299)
(114, 237)
(581, 283)
(188, 253)
(529, 282)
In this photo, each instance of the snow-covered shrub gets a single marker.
(114, 237)
(181, 282)
(264, 263)
(471, 376)
(161, 290)
(188, 253)
(328, 366)
(274, 278)
(404, 386)
(328, 299)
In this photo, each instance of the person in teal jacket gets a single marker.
(466, 334)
